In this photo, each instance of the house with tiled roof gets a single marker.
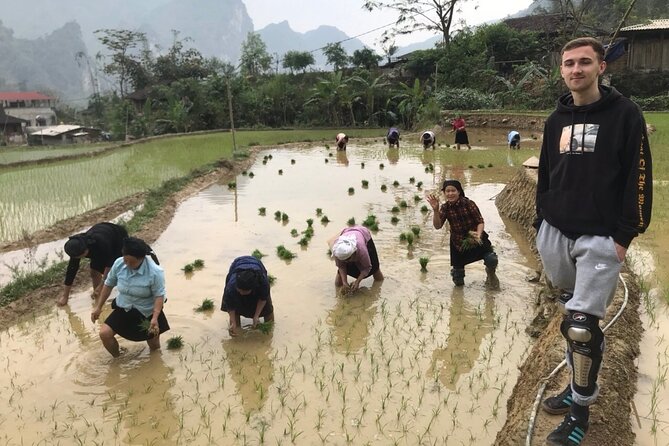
(32, 106)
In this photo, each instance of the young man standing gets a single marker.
(594, 195)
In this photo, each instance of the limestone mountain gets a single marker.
(48, 64)
(281, 38)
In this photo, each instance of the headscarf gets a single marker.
(136, 247)
(344, 247)
(456, 184)
(76, 245)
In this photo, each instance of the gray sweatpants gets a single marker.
(587, 267)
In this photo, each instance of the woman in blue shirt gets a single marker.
(138, 308)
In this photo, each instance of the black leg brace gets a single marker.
(585, 342)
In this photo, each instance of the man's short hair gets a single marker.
(593, 43)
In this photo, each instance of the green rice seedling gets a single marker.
(280, 171)
(283, 253)
(396, 183)
(264, 158)
(284, 217)
(309, 232)
(489, 164)
(206, 305)
(403, 204)
(271, 279)
(362, 165)
(365, 183)
(257, 254)
(403, 237)
(351, 221)
(412, 180)
(270, 156)
(410, 238)
(304, 241)
(145, 325)
(265, 327)
(319, 212)
(327, 160)
(251, 175)
(424, 209)
(419, 185)
(431, 167)
(262, 211)
(294, 232)
(415, 230)
(264, 161)
(383, 188)
(427, 169)
(481, 166)
(394, 220)
(310, 221)
(417, 198)
(327, 146)
(198, 263)
(330, 155)
(374, 227)
(395, 209)
(351, 191)
(381, 166)
(292, 161)
(470, 167)
(277, 215)
(423, 263)
(188, 268)
(325, 219)
(244, 173)
(369, 221)
(232, 185)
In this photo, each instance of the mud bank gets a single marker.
(610, 417)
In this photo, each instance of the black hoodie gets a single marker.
(595, 169)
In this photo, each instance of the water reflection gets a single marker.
(351, 316)
(140, 405)
(342, 158)
(393, 155)
(251, 367)
(468, 326)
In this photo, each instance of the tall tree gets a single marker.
(124, 63)
(255, 60)
(419, 15)
(298, 60)
(336, 55)
(365, 58)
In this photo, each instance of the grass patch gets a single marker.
(206, 305)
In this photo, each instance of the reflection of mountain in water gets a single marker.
(350, 318)
(251, 367)
(467, 326)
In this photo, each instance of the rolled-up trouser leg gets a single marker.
(585, 341)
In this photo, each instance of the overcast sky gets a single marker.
(348, 15)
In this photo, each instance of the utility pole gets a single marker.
(232, 122)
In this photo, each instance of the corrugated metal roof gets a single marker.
(658, 24)
(23, 96)
(56, 130)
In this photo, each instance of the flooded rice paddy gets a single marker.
(410, 360)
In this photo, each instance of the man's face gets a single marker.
(580, 69)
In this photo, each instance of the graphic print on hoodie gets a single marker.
(578, 138)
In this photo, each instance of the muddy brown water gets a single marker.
(408, 360)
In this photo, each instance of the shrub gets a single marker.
(465, 99)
